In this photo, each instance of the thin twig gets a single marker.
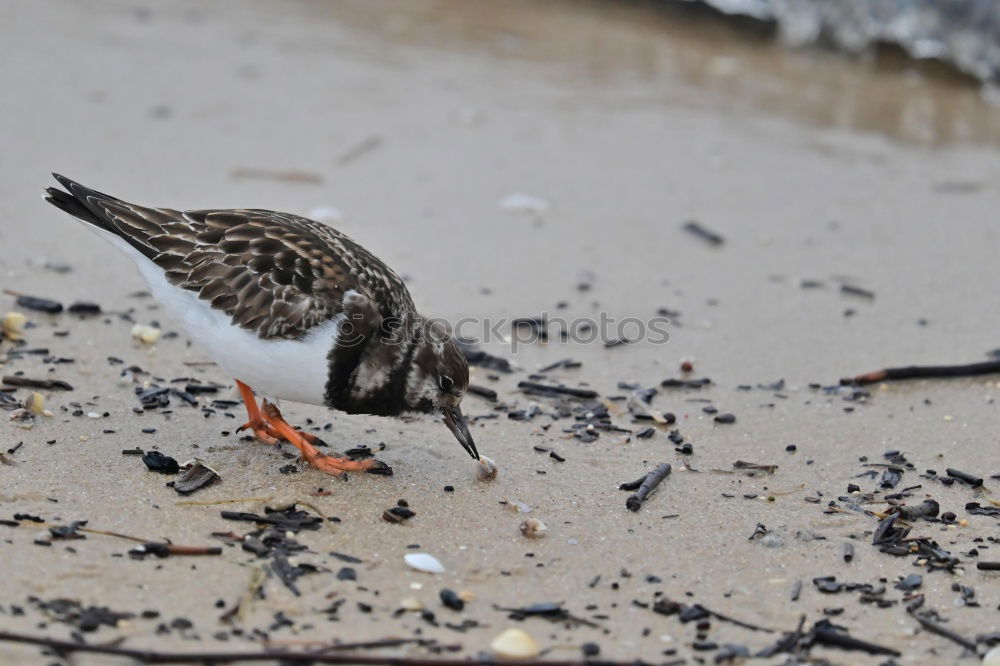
(315, 657)
(925, 372)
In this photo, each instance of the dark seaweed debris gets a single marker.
(699, 231)
(39, 304)
(84, 618)
(289, 519)
(27, 382)
(160, 463)
(484, 359)
(196, 476)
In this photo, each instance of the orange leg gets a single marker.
(321, 461)
(261, 428)
(255, 421)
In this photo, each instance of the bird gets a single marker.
(291, 308)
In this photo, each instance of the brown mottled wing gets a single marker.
(273, 273)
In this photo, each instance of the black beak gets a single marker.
(456, 423)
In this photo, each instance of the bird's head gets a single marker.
(438, 381)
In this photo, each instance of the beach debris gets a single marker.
(698, 231)
(753, 469)
(533, 528)
(196, 475)
(519, 202)
(484, 359)
(69, 531)
(84, 308)
(924, 372)
(12, 326)
(160, 463)
(411, 604)
(686, 383)
(644, 486)
(486, 469)
(992, 658)
(535, 388)
(35, 403)
(725, 418)
(976, 509)
(852, 290)
(515, 644)
(288, 573)
(399, 513)
(827, 634)
(928, 621)
(286, 519)
(146, 334)
(162, 550)
(424, 562)
(28, 382)
(483, 392)
(968, 479)
(84, 618)
(35, 303)
(451, 599)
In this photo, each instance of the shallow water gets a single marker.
(648, 53)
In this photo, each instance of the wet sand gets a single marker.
(616, 119)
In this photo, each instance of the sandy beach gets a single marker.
(409, 128)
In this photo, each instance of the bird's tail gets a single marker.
(74, 200)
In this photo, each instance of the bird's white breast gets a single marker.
(279, 369)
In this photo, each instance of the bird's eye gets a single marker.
(446, 383)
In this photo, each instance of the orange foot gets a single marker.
(321, 461)
(261, 429)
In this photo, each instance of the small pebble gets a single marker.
(450, 599)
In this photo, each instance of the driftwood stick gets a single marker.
(299, 657)
(647, 485)
(925, 372)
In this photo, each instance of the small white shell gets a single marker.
(519, 202)
(145, 334)
(424, 562)
(486, 469)
(992, 658)
(13, 325)
(515, 644)
(533, 528)
(35, 403)
(411, 604)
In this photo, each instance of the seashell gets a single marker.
(411, 604)
(533, 528)
(145, 334)
(13, 326)
(424, 562)
(992, 658)
(515, 644)
(35, 403)
(486, 469)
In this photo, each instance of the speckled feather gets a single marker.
(276, 274)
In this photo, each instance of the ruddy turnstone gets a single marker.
(291, 307)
